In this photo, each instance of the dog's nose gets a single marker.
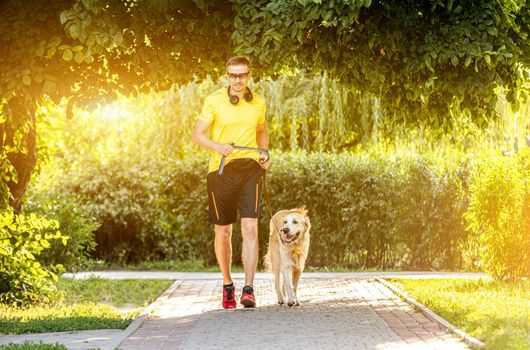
(285, 230)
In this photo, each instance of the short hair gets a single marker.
(237, 60)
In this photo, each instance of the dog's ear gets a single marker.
(302, 210)
(307, 223)
(278, 219)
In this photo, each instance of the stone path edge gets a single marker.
(468, 339)
(138, 321)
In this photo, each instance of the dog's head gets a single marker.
(294, 224)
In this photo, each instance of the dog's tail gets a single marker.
(267, 264)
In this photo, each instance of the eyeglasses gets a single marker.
(241, 76)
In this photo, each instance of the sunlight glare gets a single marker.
(113, 112)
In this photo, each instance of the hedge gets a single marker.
(367, 211)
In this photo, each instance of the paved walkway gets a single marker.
(339, 311)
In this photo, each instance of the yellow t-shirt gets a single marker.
(233, 124)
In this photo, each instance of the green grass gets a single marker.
(33, 346)
(497, 313)
(88, 304)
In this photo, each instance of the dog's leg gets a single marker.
(296, 278)
(288, 279)
(275, 262)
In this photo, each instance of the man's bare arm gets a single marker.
(199, 137)
(262, 138)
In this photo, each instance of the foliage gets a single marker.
(74, 222)
(496, 312)
(27, 345)
(87, 304)
(23, 280)
(90, 50)
(422, 58)
(499, 215)
(157, 209)
(131, 199)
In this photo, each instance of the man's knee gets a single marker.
(249, 228)
(223, 231)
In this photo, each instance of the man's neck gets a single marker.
(238, 94)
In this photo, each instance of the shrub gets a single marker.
(499, 215)
(23, 280)
(368, 210)
(74, 221)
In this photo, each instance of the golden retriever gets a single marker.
(287, 252)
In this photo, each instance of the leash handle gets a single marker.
(222, 165)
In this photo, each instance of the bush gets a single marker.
(499, 215)
(23, 280)
(140, 204)
(74, 221)
(373, 210)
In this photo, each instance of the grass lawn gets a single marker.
(497, 313)
(88, 304)
(33, 346)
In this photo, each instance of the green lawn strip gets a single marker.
(33, 346)
(496, 312)
(138, 292)
(88, 304)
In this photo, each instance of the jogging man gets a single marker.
(233, 116)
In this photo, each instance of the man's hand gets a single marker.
(224, 148)
(264, 160)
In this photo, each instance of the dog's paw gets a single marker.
(280, 302)
(291, 303)
(297, 303)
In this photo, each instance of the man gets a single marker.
(234, 116)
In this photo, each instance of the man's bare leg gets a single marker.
(250, 249)
(223, 250)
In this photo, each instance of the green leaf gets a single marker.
(68, 55)
(467, 62)
(89, 59)
(54, 42)
(367, 3)
(79, 57)
(39, 51)
(327, 16)
(63, 17)
(487, 58)
(449, 5)
(454, 61)
(26, 80)
(118, 39)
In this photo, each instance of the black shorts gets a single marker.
(238, 188)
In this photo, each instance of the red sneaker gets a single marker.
(247, 297)
(229, 300)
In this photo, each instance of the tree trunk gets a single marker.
(23, 162)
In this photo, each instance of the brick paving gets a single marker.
(339, 311)
(336, 313)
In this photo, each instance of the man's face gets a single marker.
(238, 77)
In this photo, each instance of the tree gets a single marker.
(88, 51)
(422, 58)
